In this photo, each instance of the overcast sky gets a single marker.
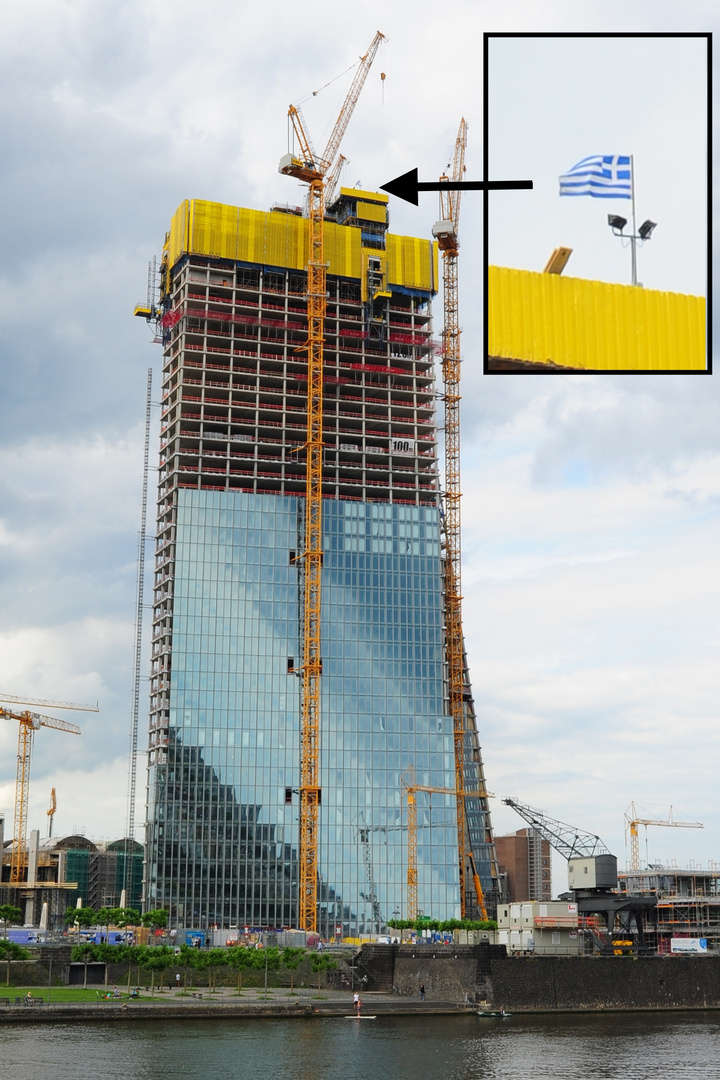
(553, 101)
(591, 503)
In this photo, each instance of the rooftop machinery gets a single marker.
(29, 723)
(314, 169)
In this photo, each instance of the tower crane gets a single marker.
(445, 232)
(29, 723)
(411, 787)
(51, 811)
(313, 170)
(632, 820)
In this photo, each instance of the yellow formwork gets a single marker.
(367, 211)
(577, 323)
(276, 239)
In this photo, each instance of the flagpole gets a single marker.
(632, 238)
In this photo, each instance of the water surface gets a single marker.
(642, 1046)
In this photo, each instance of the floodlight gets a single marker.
(558, 260)
(645, 230)
(617, 222)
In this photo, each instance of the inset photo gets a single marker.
(605, 266)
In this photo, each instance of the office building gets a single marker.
(224, 742)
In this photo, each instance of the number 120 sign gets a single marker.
(405, 447)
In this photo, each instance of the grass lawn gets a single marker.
(67, 993)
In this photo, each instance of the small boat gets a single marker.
(363, 1017)
(493, 1012)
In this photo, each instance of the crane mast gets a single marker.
(446, 233)
(313, 170)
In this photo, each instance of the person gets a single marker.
(358, 1005)
(356, 999)
(364, 982)
(116, 992)
(28, 1000)
(177, 981)
(136, 992)
(422, 991)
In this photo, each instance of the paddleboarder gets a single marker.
(358, 1004)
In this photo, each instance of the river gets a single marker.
(641, 1046)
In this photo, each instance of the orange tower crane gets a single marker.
(445, 232)
(313, 170)
(632, 820)
(29, 723)
(51, 811)
(411, 787)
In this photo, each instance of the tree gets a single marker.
(157, 959)
(125, 916)
(9, 914)
(157, 919)
(322, 962)
(240, 957)
(9, 950)
(80, 916)
(291, 959)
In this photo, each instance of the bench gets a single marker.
(4, 1001)
(28, 1001)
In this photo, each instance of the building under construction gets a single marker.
(61, 870)
(225, 723)
(688, 902)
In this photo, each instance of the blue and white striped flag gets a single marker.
(604, 176)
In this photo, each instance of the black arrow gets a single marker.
(407, 186)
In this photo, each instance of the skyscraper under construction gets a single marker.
(224, 747)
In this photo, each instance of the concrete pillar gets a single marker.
(33, 852)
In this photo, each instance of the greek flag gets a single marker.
(604, 176)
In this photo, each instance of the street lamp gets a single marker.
(617, 224)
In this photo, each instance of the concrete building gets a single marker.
(224, 741)
(524, 859)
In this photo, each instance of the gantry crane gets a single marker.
(445, 232)
(411, 787)
(313, 170)
(28, 725)
(632, 820)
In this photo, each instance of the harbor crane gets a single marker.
(632, 820)
(313, 169)
(571, 842)
(29, 723)
(592, 875)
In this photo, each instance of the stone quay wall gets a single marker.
(484, 973)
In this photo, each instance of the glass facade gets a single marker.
(224, 728)
(223, 824)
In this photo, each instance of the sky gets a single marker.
(590, 509)
(580, 96)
